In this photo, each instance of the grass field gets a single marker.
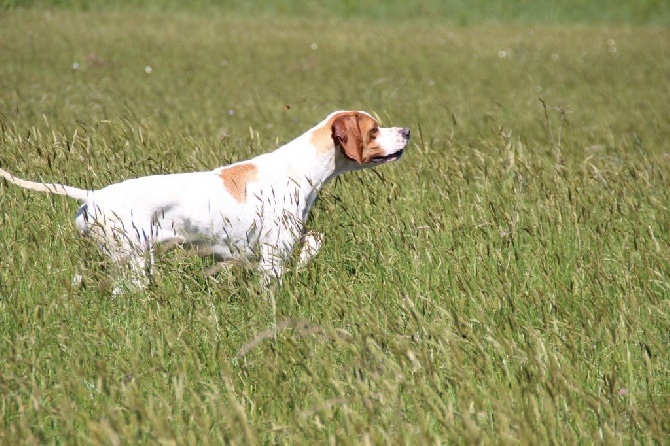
(507, 281)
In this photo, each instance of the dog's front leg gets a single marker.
(311, 243)
(272, 263)
(275, 252)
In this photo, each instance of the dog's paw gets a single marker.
(77, 280)
(312, 242)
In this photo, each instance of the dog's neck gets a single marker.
(311, 160)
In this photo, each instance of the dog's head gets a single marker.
(357, 140)
(361, 139)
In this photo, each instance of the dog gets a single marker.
(250, 210)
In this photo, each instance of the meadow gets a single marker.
(507, 281)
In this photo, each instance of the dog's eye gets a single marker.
(374, 131)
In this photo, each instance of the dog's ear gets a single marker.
(347, 134)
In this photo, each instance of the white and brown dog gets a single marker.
(255, 209)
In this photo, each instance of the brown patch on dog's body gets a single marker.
(235, 179)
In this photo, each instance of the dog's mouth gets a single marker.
(384, 159)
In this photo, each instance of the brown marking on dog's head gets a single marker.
(322, 137)
(354, 132)
(235, 179)
(357, 133)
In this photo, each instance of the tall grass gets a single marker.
(506, 281)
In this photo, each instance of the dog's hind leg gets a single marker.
(133, 273)
(129, 258)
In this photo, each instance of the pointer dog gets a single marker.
(255, 209)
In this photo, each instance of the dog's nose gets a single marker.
(405, 133)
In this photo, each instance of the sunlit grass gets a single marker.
(506, 281)
(453, 12)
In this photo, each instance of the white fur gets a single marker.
(129, 218)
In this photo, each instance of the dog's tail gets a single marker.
(58, 189)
